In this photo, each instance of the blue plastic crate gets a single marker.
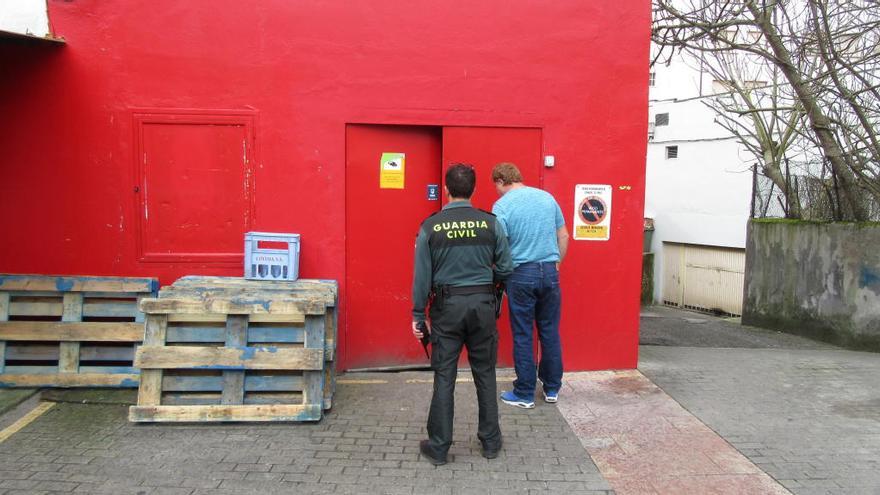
(271, 264)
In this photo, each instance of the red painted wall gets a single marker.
(576, 69)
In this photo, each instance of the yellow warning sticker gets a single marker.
(391, 171)
(591, 232)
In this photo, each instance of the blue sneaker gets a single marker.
(512, 399)
(549, 397)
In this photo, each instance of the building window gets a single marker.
(671, 152)
(661, 119)
(719, 86)
(652, 79)
(755, 37)
(729, 35)
(754, 84)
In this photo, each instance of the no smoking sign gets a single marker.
(592, 210)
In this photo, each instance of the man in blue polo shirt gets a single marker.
(538, 241)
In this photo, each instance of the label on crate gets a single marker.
(269, 258)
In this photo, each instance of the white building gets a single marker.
(698, 191)
(25, 18)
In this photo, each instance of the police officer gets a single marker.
(461, 253)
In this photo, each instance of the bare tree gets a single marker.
(819, 103)
(751, 104)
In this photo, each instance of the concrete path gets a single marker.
(672, 327)
(645, 443)
(808, 418)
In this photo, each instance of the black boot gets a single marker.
(428, 452)
(491, 452)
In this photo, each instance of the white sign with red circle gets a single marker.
(592, 212)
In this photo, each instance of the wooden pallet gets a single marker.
(70, 331)
(320, 291)
(314, 290)
(234, 354)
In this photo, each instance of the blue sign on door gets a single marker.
(433, 192)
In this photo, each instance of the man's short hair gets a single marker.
(460, 180)
(507, 173)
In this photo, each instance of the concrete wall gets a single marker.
(817, 280)
(71, 132)
(701, 197)
(647, 296)
(682, 78)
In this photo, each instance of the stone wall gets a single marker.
(647, 279)
(820, 280)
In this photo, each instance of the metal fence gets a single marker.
(810, 198)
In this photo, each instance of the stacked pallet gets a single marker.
(319, 291)
(228, 349)
(70, 331)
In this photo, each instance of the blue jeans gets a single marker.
(534, 299)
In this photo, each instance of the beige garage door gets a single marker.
(704, 278)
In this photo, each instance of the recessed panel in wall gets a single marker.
(195, 186)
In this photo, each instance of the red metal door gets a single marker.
(381, 227)
(483, 147)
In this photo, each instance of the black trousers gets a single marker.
(467, 320)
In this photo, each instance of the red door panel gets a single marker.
(381, 227)
(483, 147)
(194, 192)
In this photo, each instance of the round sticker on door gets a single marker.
(592, 210)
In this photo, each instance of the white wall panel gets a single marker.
(27, 17)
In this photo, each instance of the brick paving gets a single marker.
(808, 418)
(804, 414)
(367, 444)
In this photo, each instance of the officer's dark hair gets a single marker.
(460, 180)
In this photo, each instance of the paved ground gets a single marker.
(367, 444)
(645, 443)
(805, 412)
(809, 418)
(666, 326)
(726, 404)
(11, 397)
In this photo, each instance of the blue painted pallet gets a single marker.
(322, 291)
(70, 331)
(256, 365)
